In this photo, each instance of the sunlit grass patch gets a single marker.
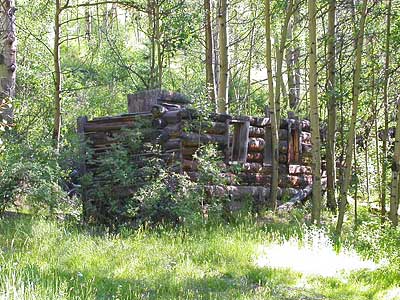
(314, 254)
(43, 259)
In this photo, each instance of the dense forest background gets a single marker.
(334, 62)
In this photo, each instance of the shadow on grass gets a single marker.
(227, 276)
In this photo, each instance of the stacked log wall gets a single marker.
(181, 131)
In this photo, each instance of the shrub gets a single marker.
(32, 177)
(123, 190)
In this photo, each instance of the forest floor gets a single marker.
(47, 259)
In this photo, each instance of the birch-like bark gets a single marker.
(223, 88)
(352, 129)
(386, 115)
(274, 124)
(394, 188)
(57, 76)
(331, 91)
(279, 59)
(8, 64)
(210, 81)
(314, 115)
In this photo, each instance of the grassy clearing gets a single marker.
(43, 259)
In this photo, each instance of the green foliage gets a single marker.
(168, 198)
(35, 180)
(43, 259)
(5, 104)
(210, 165)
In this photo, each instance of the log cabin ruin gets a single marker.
(179, 131)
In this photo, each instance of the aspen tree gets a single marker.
(274, 124)
(384, 156)
(352, 130)
(8, 62)
(314, 116)
(330, 87)
(223, 87)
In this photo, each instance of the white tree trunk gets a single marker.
(8, 64)
(223, 88)
(314, 116)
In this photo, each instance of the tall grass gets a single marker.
(42, 259)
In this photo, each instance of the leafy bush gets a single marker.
(32, 177)
(168, 198)
(122, 189)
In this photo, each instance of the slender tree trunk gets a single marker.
(279, 59)
(352, 129)
(394, 194)
(209, 53)
(57, 76)
(314, 116)
(290, 68)
(216, 51)
(223, 89)
(386, 114)
(366, 156)
(151, 33)
(8, 63)
(331, 90)
(274, 124)
(250, 66)
(356, 187)
(375, 113)
(157, 34)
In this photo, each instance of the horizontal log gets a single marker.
(263, 168)
(172, 117)
(306, 137)
(173, 130)
(256, 179)
(98, 127)
(288, 193)
(172, 144)
(299, 169)
(207, 127)
(256, 132)
(300, 181)
(121, 118)
(170, 106)
(255, 157)
(256, 144)
(285, 181)
(229, 178)
(97, 138)
(259, 122)
(194, 139)
(296, 199)
(238, 192)
(306, 147)
(186, 150)
(220, 117)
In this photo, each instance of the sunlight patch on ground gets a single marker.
(392, 294)
(314, 256)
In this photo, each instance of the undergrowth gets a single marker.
(44, 259)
